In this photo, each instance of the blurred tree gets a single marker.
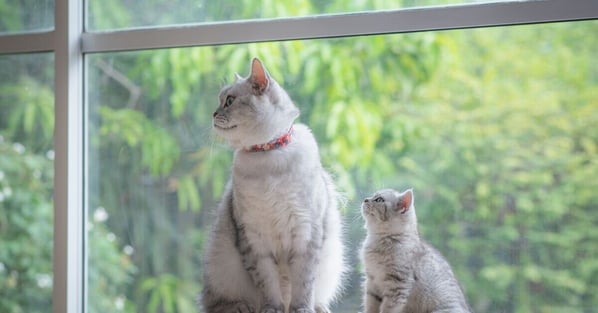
(517, 139)
(26, 15)
(25, 229)
(26, 187)
(494, 128)
(447, 113)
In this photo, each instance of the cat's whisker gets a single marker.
(355, 218)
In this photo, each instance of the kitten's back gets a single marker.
(436, 288)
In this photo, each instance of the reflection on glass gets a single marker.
(26, 16)
(138, 13)
(26, 182)
(493, 128)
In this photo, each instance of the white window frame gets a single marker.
(70, 43)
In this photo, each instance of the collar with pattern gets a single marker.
(276, 143)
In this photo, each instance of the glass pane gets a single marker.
(115, 14)
(495, 129)
(26, 16)
(26, 182)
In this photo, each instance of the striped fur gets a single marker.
(403, 272)
(276, 245)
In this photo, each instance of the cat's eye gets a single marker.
(229, 100)
(379, 199)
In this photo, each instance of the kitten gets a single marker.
(276, 245)
(403, 272)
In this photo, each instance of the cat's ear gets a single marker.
(405, 201)
(238, 77)
(259, 77)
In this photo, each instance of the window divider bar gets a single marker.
(27, 42)
(343, 25)
(70, 218)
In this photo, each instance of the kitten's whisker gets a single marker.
(355, 218)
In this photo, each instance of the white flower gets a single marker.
(111, 237)
(128, 250)
(44, 280)
(7, 191)
(100, 215)
(119, 303)
(50, 154)
(19, 148)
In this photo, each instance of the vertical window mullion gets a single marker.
(69, 213)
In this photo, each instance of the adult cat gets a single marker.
(403, 272)
(276, 244)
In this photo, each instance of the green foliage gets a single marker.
(500, 150)
(168, 294)
(130, 128)
(113, 14)
(112, 271)
(494, 129)
(30, 112)
(26, 211)
(504, 167)
(25, 229)
(26, 15)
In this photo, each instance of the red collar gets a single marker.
(276, 143)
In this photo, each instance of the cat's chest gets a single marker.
(274, 186)
(276, 200)
(382, 257)
(384, 270)
(274, 216)
(277, 181)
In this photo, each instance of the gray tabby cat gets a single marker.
(276, 245)
(403, 272)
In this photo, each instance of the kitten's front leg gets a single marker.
(372, 302)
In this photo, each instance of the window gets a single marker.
(493, 127)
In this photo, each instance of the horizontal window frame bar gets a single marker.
(343, 25)
(27, 42)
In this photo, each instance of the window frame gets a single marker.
(70, 43)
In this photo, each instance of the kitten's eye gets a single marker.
(379, 199)
(229, 100)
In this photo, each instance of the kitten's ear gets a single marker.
(259, 77)
(405, 201)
